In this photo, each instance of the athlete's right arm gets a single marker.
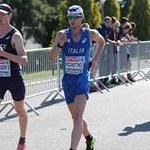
(60, 39)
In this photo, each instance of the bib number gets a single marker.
(74, 64)
(5, 68)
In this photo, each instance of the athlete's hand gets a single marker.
(61, 38)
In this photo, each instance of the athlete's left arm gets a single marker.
(100, 43)
(17, 43)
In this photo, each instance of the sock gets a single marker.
(22, 140)
(89, 137)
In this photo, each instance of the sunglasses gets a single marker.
(73, 17)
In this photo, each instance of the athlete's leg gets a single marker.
(77, 110)
(23, 119)
(18, 94)
(22, 114)
(85, 127)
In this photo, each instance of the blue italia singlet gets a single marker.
(75, 57)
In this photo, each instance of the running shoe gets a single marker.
(21, 146)
(90, 144)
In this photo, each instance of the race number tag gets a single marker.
(5, 68)
(74, 64)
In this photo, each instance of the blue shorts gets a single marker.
(71, 91)
(15, 86)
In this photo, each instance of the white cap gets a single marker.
(75, 10)
(4, 8)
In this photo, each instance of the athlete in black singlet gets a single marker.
(12, 55)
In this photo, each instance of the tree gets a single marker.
(112, 8)
(96, 19)
(140, 14)
(126, 7)
(40, 18)
(35, 18)
(91, 12)
(21, 12)
(44, 22)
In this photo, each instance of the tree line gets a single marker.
(41, 19)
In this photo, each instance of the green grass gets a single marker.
(39, 75)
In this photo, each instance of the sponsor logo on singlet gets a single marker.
(74, 64)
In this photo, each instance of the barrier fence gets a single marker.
(43, 76)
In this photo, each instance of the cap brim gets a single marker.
(74, 14)
(3, 11)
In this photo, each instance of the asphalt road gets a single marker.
(119, 119)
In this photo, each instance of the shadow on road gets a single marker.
(144, 127)
(45, 104)
(49, 103)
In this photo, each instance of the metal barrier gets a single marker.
(42, 76)
(144, 59)
(120, 60)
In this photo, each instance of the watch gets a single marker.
(59, 46)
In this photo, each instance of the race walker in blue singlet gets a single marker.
(74, 45)
(75, 57)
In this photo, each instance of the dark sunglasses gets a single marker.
(73, 17)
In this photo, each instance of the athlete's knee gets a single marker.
(77, 117)
(19, 108)
(21, 112)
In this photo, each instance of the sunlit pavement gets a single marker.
(119, 119)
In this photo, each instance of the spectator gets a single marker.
(127, 38)
(132, 37)
(105, 31)
(93, 88)
(123, 23)
(116, 38)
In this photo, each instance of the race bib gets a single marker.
(5, 68)
(74, 64)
